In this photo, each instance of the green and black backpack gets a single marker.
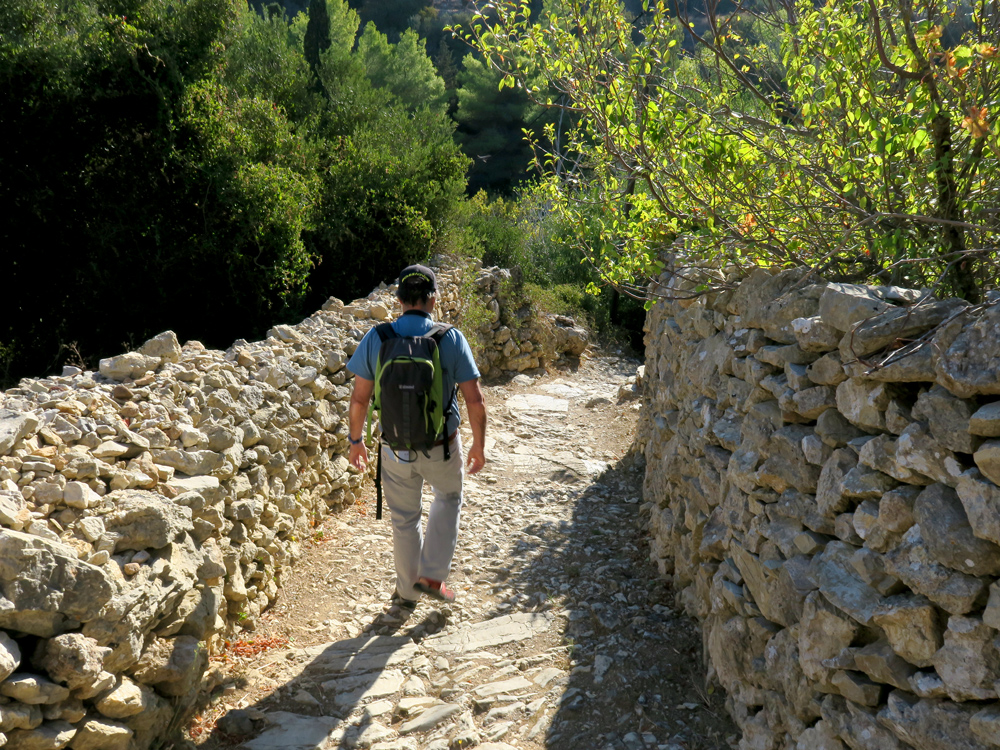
(409, 389)
(409, 395)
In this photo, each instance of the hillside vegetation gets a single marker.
(215, 168)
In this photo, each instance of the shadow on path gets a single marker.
(316, 708)
(636, 677)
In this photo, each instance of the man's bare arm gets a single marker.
(360, 397)
(476, 405)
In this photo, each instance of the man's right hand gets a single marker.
(358, 456)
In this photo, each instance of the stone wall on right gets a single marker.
(829, 509)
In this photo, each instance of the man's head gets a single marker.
(417, 287)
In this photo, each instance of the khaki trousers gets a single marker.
(419, 554)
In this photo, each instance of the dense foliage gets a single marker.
(852, 137)
(197, 166)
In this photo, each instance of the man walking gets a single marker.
(423, 561)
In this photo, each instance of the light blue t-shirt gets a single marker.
(457, 362)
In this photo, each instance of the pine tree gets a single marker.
(444, 61)
(317, 38)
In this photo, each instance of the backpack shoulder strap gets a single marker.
(438, 331)
(385, 331)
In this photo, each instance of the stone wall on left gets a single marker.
(149, 509)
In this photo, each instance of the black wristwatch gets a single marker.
(352, 441)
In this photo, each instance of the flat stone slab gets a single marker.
(361, 655)
(547, 675)
(503, 686)
(362, 736)
(535, 403)
(431, 718)
(352, 689)
(563, 390)
(495, 632)
(294, 732)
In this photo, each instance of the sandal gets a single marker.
(407, 605)
(435, 589)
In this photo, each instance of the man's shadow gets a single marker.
(340, 694)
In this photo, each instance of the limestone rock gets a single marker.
(895, 511)
(968, 662)
(870, 568)
(132, 365)
(813, 335)
(32, 689)
(782, 356)
(986, 725)
(785, 465)
(865, 483)
(570, 338)
(893, 324)
(928, 723)
(827, 370)
(857, 725)
(897, 417)
(986, 420)
(988, 460)
(830, 499)
(73, 659)
(834, 430)
(10, 655)
(79, 495)
(126, 698)
(838, 582)
(913, 564)
(913, 627)
(100, 734)
(880, 453)
(918, 451)
(164, 345)
(193, 463)
(914, 366)
(13, 427)
(824, 632)
(949, 536)
(967, 365)
(857, 688)
(864, 403)
(14, 513)
(844, 305)
(144, 520)
(52, 735)
(773, 302)
(46, 588)
(981, 499)
(812, 402)
(948, 419)
(882, 664)
(173, 665)
(820, 736)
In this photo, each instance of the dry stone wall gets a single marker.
(512, 335)
(834, 525)
(149, 509)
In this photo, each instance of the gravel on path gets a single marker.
(562, 636)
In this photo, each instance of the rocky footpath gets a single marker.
(822, 482)
(562, 636)
(149, 509)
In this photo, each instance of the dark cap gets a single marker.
(420, 277)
